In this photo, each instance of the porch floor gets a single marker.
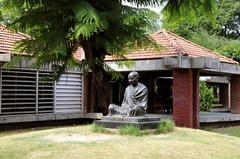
(208, 117)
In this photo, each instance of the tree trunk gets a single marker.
(99, 88)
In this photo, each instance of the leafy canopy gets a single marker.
(100, 27)
(58, 28)
(221, 34)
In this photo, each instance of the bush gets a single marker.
(206, 97)
(98, 128)
(165, 126)
(130, 130)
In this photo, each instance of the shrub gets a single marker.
(165, 126)
(98, 128)
(130, 130)
(206, 97)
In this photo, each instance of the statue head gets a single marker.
(133, 78)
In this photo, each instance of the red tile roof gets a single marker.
(174, 45)
(79, 54)
(8, 38)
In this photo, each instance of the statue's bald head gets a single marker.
(134, 74)
(133, 78)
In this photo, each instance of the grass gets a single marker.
(165, 126)
(182, 143)
(231, 131)
(130, 130)
(98, 128)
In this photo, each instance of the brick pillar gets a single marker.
(235, 94)
(223, 95)
(196, 99)
(186, 97)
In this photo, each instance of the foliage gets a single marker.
(206, 97)
(175, 10)
(231, 49)
(60, 27)
(228, 19)
(130, 130)
(227, 47)
(220, 34)
(225, 22)
(165, 126)
(101, 27)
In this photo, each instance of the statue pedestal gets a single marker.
(143, 122)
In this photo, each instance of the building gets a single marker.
(177, 67)
(30, 94)
(171, 75)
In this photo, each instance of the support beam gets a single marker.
(186, 97)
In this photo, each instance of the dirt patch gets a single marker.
(78, 138)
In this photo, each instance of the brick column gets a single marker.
(186, 97)
(196, 99)
(223, 95)
(235, 95)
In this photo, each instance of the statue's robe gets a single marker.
(134, 97)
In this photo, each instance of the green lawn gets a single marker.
(232, 131)
(79, 142)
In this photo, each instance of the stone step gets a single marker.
(145, 122)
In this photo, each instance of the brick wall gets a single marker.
(186, 98)
(235, 94)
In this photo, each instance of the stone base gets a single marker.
(143, 122)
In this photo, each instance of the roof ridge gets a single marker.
(213, 52)
(174, 43)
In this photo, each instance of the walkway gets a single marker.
(208, 117)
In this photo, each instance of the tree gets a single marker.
(101, 27)
(206, 97)
(226, 22)
(228, 19)
(220, 34)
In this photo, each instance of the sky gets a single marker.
(156, 9)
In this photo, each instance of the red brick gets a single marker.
(235, 94)
(186, 97)
(224, 95)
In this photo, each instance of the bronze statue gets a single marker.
(135, 99)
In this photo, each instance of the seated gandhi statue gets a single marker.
(135, 99)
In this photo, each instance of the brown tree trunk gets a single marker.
(99, 88)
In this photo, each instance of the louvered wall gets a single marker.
(45, 93)
(18, 92)
(69, 93)
(35, 92)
